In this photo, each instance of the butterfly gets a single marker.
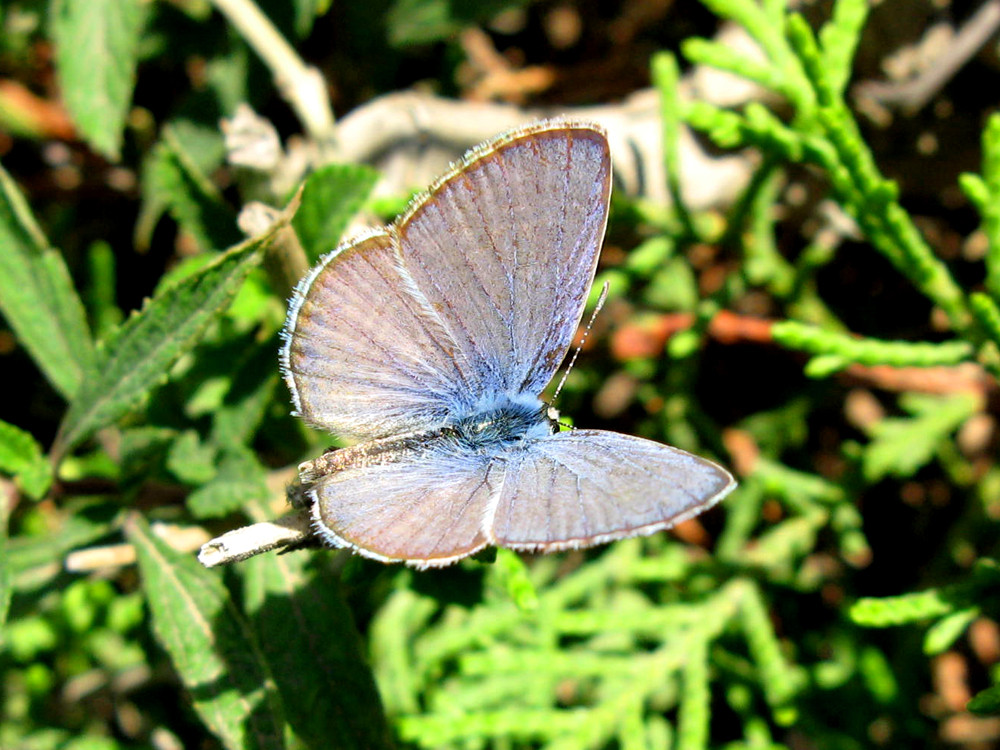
(429, 341)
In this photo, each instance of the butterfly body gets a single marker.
(487, 433)
(430, 341)
(501, 427)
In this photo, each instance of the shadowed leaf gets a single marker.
(97, 48)
(309, 639)
(37, 296)
(210, 644)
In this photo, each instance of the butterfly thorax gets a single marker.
(503, 424)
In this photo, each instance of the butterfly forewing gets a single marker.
(363, 358)
(474, 293)
(505, 249)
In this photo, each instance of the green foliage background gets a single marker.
(829, 595)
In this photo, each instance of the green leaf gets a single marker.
(510, 574)
(97, 48)
(394, 629)
(308, 637)
(175, 176)
(247, 398)
(824, 365)
(864, 192)
(877, 674)
(666, 78)
(6, 589)
(673, 286)
(779, 679)
(693, 714)
(191, 460)
(35, 560)
(985, 194)
(99, 296)
(210, 644)
(37, 296)
(423, 21)
(148, 344)
(987, 313)
(725, 58)
(21, 457)
(865, 351)
(883, 612)
(901, 445)
(942, 634)
(240, 480)
(332, 196)
(985, 702)
(839, 39)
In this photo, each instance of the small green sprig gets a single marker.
(811, 74)
(984, 192)
(952, 607)
(835, 351)
(621, 657)
(870, 198)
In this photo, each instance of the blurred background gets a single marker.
(773, 305)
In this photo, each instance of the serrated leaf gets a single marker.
(210, 644)
(240, 480)
(308, 636)
(332, 196)
(97, 48)
(37, 296)
(176, 178)
(21, 457)
(149, 343)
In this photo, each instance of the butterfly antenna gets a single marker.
(583, 339)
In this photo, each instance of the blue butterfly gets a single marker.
(430, 340)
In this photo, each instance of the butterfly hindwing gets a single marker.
(425, 507)
(584, 487)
